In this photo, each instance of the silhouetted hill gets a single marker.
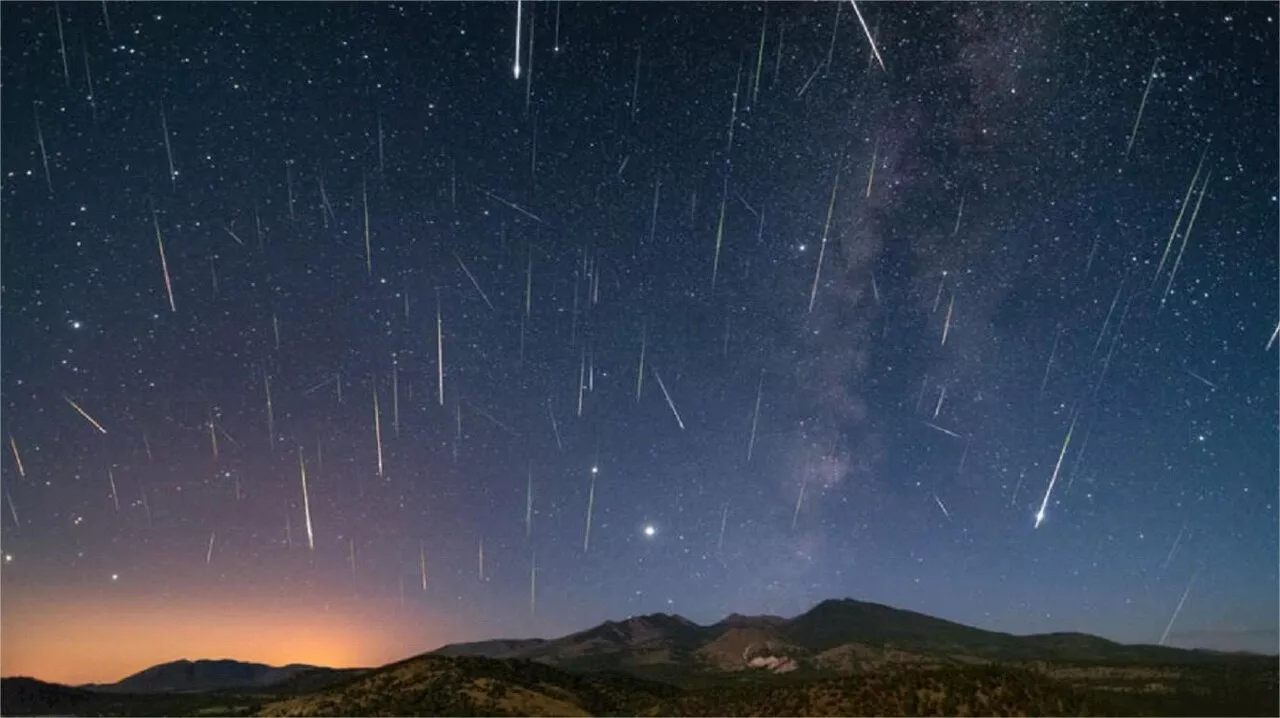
(206, 675)
(498, 648)
(28, 696)
(432, 684)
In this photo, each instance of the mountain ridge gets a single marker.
(842, 657)
(839, 634)
(186, 675)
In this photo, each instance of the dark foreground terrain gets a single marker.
(840, 658)
(439, 685)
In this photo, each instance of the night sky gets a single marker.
(775, 322)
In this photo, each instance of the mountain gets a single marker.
(840, 635)
(434, 684)
(499, 648)
(655, 640)
(28, 696)
(193, 676)
(842, 657)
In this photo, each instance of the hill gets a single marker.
(461, 685)
(206, 675)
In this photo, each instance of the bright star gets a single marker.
(649, 530)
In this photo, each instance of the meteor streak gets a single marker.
(715, 263)
(1054, 479)
(795, 517)
(1052, 353)
(62, 45)
(1178, 610)
(44, 155)
(533, 584)
(670, 403)
(555, 428)
(377, 424)
(582, 378)
(871, 174)
(17, 457)
(755, 416)
(164, 265)
(1186, 199)
(13, 509)
(644, 340)
(724, 520)
(368, 249)
(870, 39)
(528, 505)
(591, 504)
(168, 150)
(946, 327)
(755, 88)
(271, 417)
(515, 67)
(234, 236)
(115, 498)
(1202, 380)
(942, 506)
(439, 349)
(306, 501)
(948, 432)
(85, 414)
(1173, 273)
(512, 205)
(1168, 559)
(1151, 77)
(213, 437)
(395, 396)
(822, 250)
(422, 564)
(472, 277)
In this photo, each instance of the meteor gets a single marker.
(16, 456)
(83, 413)
(515, 67)
(670, 403)
(1054, 479)
(306, 501)
(870, 39)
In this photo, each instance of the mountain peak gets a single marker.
(185, 675)
(660, 619)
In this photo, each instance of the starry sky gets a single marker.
(686, 308)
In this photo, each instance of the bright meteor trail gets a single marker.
(1057, 467)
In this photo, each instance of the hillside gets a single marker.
(991, 690)
(31, 697)
(442, 685)
(840, 635)
(206, 675)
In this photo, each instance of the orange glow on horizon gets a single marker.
(76, 641)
